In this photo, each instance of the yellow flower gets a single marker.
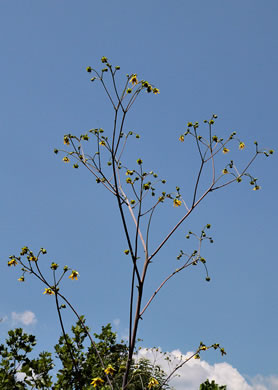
(256, 188)
(109, 370)
(21, 279)
(32, 258)
(74, 274)
(102, 143)
(177, 202)
(241, 145)
(152, 383)
(197, 356)
(48, 291)
(181, 138)
(97, 382)
(134, 79)
(66, 159)
(66, 140)
(12, 262)
(226, 150)
(24, 251)
(225, 171)
(156, 91)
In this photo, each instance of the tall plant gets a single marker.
(139, 194)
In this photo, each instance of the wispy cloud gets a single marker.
(116, 322)
(260, 382)
(3, 319)
(195, 372)
(25, 318)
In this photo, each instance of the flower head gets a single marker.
(74, 274)
(133, 80)
(12, 262)
(152, 383)
(32, 257)
(66, 140)
(21, 279)
(177, 202)
(109, 370)
(97, 382)
(24, 250)
(156, 91)
(226, 150)
(48, 291)
(102, 143)
(241, 145)
(256, 188)
(181, 138)
(225, 171)
(66, 159)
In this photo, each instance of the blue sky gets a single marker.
(205, 57)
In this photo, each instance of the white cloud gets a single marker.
(195, 372)
(25, 318)
(3, 319)
(260, 382)
(116, 322)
